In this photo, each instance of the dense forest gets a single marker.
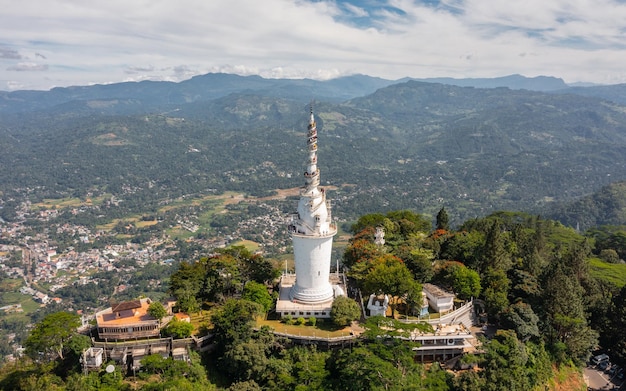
(534, 276)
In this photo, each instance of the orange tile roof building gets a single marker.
(127, 320)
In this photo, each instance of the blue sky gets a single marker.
(48, 43)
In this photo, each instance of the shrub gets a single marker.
(288, 319)
(300, 321)
(344, 311)
(312, 321)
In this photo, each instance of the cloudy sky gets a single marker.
(48, 43)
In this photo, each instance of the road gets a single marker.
(598, 380)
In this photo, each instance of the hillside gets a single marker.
(607, 206)
(409, 145)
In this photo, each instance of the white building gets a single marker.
(92, 358)
(312, 231)
(440, 300)
(378, 305)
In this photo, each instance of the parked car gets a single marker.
(603, 365)
(599, 358)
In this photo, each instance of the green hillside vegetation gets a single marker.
(612, 273)
(523, 267)
(607, 206)
(407, 145)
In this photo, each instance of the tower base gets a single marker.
(285, 306)
(311, 296)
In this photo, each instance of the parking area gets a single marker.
(601, 374)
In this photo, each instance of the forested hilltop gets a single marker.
(548, 307)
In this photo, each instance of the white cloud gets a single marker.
(28, 67)
(73, 42)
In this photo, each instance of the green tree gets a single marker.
(309, 368)
(154, 363)
(234, 320)
(43, 381)
(344, 310)
(442, 219)
(156, 310)
(609, 255)
(521, 318)
(361, 369)
(379, 366)
(246, 360)
(469, 381)
(418, 260)
(565, 314)
(75, 347)
(495, 292)
(414, 299)
(248, 385)
(464, 281)
(369, 220)
(80, 382)
(437, 379)
(186, 284)
(390, 276)
(465, 247)
(178, 329)
(258, 293)
(360, 251)
(617, 325)
(495, 252)
(51, 336)
(505, 363)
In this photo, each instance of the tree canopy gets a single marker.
(49, 338)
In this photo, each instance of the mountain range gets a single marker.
(471, 145)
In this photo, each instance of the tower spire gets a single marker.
(312, 173)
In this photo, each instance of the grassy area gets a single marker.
(135, 220)
(200, 320)
(68, 202)
(179, 232)
(144, 223)
(27, 302)
(323, 329)
(10, 285)
(211, 208)
(615, 273)
(201, 201)
(248, 244)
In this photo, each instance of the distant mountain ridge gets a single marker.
(150, 96)
(154, 95)
(514, 82)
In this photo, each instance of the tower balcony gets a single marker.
(299, 233)
(311, 175)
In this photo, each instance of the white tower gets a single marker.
(312, 232)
